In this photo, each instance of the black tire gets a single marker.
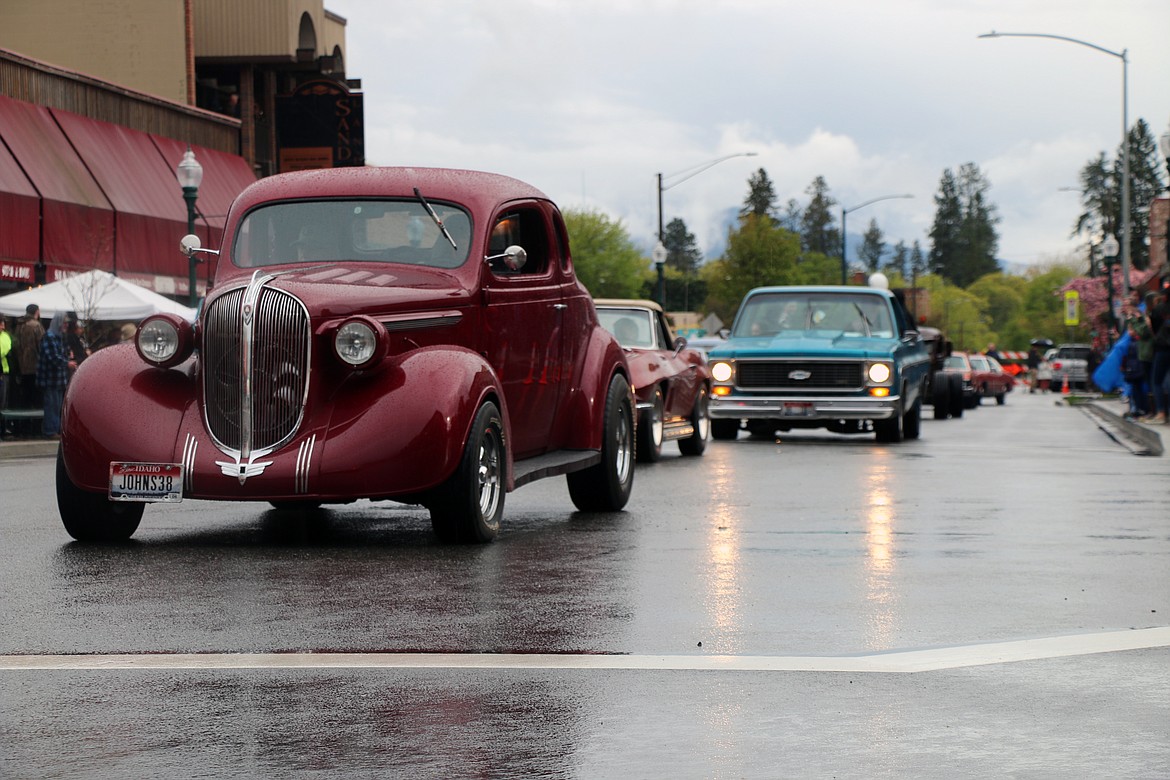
(724, 430)
(912, 422)
(1000, 399)
(93, 517)
(606, 487)
(295, 506)
(468, 507)
(696, 443)
(940, 394)
(650, 428)
(955, 395)
(889, 431)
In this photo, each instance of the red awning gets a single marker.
(150, 215)
(20, 217)
(77, 221)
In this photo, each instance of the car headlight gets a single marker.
(879, 373)
(360, 342)
(721, 371)
(164, 340)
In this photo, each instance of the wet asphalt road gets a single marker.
(798, 558)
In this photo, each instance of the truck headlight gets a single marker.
(879, 373)
(722, 371)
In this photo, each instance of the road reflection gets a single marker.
(882, 616)
(722, 591)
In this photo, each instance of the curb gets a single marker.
(30, 448)
(1137, 438)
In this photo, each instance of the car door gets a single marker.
(683, 374)
(523, 320)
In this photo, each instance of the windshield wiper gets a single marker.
(863, 319)
(435, 217)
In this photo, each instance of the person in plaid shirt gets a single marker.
(53, 369)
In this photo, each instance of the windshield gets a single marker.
(387, 231)
(631, 327)
(823, 315)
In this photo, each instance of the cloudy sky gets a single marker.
(589, 99)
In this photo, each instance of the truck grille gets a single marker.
(824, 375)
(255, 404)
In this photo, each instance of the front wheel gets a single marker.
(468, 506)
(650, 430)
(92, 517)
(696, 443)
(889, 430)
(724, 430)
(606, 486)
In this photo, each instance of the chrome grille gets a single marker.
(823, 375)
(274, 343)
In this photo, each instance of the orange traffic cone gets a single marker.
(1064, 386)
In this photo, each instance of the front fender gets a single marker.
(118, 407)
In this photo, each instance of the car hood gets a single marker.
(344, 289)
(787, 347)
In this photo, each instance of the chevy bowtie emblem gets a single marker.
(799, 375)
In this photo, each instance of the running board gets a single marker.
(677, 430)
(553, 464)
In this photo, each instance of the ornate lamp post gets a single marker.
(1109, 249)
(190, 175)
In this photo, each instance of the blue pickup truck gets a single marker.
(848, 359)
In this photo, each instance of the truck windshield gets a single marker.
(822, 315)
(386, 231)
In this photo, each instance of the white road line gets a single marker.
(894, 662)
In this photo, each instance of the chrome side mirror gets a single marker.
(191, 245)
(514, 258)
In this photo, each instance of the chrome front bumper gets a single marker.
(793, 408)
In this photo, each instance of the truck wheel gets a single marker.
(606, 486)
(889, 431)
(940, 394)
(650, 430)
(912, 422)
(92, 517)
(696, 443)
(955, 394)
(724, 430)
(468, 506)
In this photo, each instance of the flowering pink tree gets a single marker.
(1094, 294)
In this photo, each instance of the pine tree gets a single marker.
(817, 233)
(918, 267)
(872, 246)
(900, 262)
(681, 250)
(963, 238)
(761, 197)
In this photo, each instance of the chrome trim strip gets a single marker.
(304, 460)
(415, 323)
(190, 447)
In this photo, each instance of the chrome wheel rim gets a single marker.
(489, 474)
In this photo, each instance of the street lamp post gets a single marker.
(1122, 55)
(190, 175)
(844, 235)
(1109, 248)
(662, 187)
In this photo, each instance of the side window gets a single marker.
(523, 227)
(562, 240)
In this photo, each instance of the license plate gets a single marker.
(146, 482)
(798, 410)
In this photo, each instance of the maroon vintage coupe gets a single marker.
(385, 333)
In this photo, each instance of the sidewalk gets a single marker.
(28, 448)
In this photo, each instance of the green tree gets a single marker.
(872, 246)
(761, 197)
(681, 250)
(606, 260)
(758, 253)
(917, 262)
(817, 232)
(963, 236)
(899, 263)
(790, 218)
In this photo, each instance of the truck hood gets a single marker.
(807, 346)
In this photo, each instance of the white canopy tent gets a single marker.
(95, 296)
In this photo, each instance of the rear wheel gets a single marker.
(650, 429)
(1000, 399)
(940, 396)
(93, 517)
(696, 443)
(606, 486)
(468, 507)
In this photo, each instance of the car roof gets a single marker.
(824, 288)
(478, 190)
